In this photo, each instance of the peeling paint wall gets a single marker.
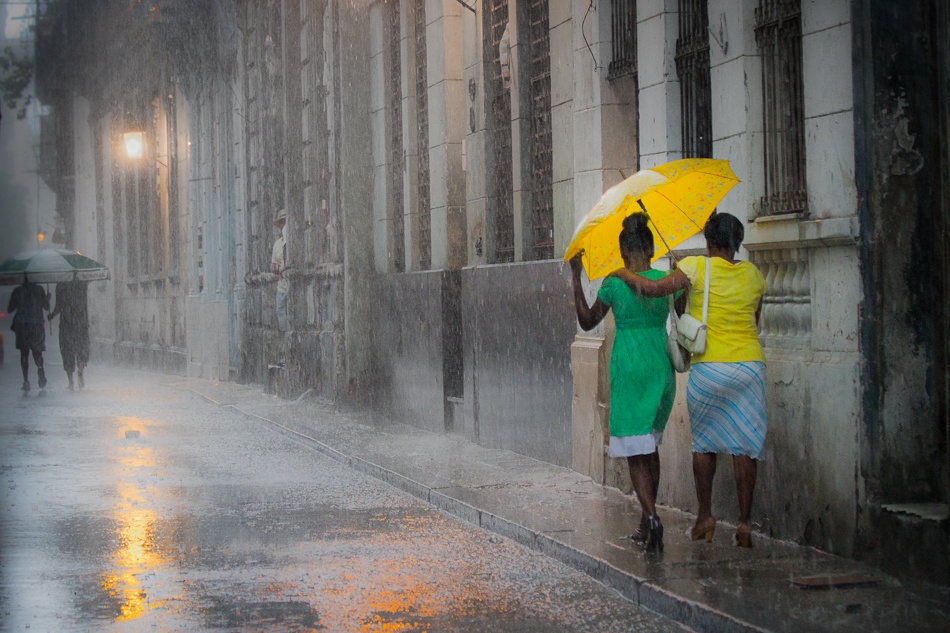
(905, 441)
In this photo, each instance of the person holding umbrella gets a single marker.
(29, 301)
(725, 395)
(26, 270)
(642, 382)
(73, 328)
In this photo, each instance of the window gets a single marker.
(692, 68)
(422, 122)
(501, 229)
(174, 254)
(778, 33)
(539, 145)
(623, 32)
(396, 166)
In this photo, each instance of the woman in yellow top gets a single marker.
(726, 390)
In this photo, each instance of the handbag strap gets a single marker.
(706, 292)
(673, 316)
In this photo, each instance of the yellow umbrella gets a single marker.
(679, 197)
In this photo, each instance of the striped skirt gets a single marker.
(726, 403)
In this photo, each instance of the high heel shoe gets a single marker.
(698, 533)
(742, 539)
(641, 535)
(654, 541)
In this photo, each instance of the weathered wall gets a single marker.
(903, 436)
(355, 191)
(92, 221)
(902, 148)
(407, 348)
(518, 326)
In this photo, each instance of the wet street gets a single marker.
(135, 505)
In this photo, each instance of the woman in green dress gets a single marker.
(642, 381)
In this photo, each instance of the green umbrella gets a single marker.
(49, 265)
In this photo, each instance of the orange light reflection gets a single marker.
(137, 553)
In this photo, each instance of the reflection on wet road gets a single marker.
(135, 507)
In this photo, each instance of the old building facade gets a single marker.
(434, 157)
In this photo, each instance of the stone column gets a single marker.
(605, 140)
(447, 115)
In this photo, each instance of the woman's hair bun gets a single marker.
(635, 220)
(636, 236)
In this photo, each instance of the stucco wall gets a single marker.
(407, 348)
(518, 327)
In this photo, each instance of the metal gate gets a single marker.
(397, 162)
(692, 68)
(422, 123)
(501, 224)
(542, 171)
(778, 32)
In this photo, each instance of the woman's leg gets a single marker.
(25, 363)
(40, 371)
(704, 470)
(644, 476)
(745, 469)
(642, 479)
(654, 461)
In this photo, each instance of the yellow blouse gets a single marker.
(735, 292)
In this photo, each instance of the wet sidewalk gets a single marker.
(706, 586)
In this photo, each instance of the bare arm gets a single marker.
(587, 316)
(677, 280)
(680, 304)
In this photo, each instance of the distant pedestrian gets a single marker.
(29, 301)
(72, 307)
(278, 266)
(642, 381)
(725, 395)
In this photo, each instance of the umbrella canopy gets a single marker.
(50, 265)
(679, 197)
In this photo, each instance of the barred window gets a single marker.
(396, 165)
(778, 33)
(501, 229)
(692, 68)
(422, 122)
(539, 144)
(623, 42)
(174, 252)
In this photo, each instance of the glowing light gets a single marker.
(137, 525)
(134, 144)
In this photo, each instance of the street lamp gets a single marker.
(134, 144)
(42, 233)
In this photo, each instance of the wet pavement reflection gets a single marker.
(130, 506)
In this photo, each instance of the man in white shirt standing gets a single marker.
(278, 266)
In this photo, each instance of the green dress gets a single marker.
(642, 380)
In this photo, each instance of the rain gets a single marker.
(293, 329)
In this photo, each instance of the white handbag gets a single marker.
(679, 357)
(690, 332)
